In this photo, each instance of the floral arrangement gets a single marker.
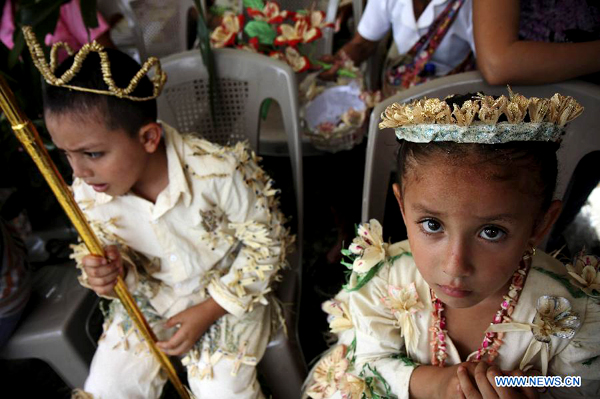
(280, 34)
(290, 37)
(584, 273)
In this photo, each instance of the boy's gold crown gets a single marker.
(47, 71)
(427, 120)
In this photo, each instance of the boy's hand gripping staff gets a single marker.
(28, 136)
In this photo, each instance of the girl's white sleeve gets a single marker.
(581, 358)
(380, 348)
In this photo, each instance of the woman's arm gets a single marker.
(502, 58)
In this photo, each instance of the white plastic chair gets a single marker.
(583, 137)
(246, 80)
(160, 27)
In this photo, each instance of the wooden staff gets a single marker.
(28, 136)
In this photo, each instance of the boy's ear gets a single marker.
(150, 135)
(398, 195)
(545, 223)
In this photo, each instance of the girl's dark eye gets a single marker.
(492, 233)
(431, 226)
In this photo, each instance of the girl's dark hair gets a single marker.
(118, 113)
(535, 156)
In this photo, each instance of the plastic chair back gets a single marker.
(583, 136)
(245, 80)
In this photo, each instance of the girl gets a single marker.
(466, 298)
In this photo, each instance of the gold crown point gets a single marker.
(47, 70)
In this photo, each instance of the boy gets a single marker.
(193, 228)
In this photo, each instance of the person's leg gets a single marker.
(224, 360)
(123, 367)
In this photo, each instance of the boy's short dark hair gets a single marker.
(118, 113)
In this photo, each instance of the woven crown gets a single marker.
(47, 70)
(427, 120)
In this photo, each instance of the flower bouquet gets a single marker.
(332, 113)
(280, 34)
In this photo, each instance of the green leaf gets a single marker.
(348, 265)
(362, 280)
(347, 252)
(346, 73)
(264, 108)
(264, 31)
(256, 4)
(404, 359)
(351, 353)
(42, 16)
(208, 60)
(590, 361)
(89, 13)
(218, 10)
(19, 41)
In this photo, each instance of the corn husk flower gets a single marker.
(369, 246)
(297, 61)
(315, 18)
(585, 275)
(225, 34)
(371, 98)
(301, 32)
(271, 13)
(328, 373)
(314, 90)
(554, 317)
(353, 117)
(352, 387)
(339, 316)
(404, 303)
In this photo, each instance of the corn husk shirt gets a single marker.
(382, 323)
(216, 231)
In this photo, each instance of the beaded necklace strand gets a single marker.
(492, 341)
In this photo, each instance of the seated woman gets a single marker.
(434, 38)
(466, 298)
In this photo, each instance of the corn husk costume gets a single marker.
(215, 231)
(388, 321)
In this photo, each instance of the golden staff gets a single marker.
(28, 136)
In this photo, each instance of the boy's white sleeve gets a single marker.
(375, 348)
(255, 222)
(128, 256)
(104, 232)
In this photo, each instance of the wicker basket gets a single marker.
(340, 132)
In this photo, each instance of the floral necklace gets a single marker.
(492, 341)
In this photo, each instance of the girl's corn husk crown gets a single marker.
(427, 120)
(37, 54)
